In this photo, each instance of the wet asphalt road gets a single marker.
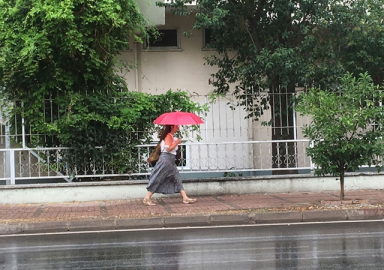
(305, 246)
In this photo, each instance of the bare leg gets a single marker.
(186, 199)
(147, 199)
(149, 195)
(183, 194)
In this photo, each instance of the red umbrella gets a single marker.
(178, 118)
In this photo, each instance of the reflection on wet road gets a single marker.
(299, 246)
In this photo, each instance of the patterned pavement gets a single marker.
(205, 205)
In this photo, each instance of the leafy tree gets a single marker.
(346, 128)
(67, 48)
(262, 47)
(357, 37)
(67, 52)
(49, 48)
(106, 132)
(272, 47)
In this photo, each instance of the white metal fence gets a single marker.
(230, 144)
(224, 157)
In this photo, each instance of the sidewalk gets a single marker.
(207, 211)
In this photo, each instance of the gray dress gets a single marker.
(165, 177)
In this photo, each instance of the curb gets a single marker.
(191, 221)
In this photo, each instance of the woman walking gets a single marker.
(165, 177)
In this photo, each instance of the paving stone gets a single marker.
(375, 213)
(272, 217)
(325, 215)
(45, 227)
(230, 219)
(357, 214)
(208, 210)
(11, 228)
(140, 223)
(176, 221)
(86, 225)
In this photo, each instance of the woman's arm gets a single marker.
(169, 142)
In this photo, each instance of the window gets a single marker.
(207, 39)
(167, 39)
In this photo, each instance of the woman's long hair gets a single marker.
(165, 131)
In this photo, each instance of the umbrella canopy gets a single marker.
(178, 118)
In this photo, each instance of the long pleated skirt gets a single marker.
(165, 177)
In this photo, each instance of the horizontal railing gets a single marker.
(242, 156)
(224, 157)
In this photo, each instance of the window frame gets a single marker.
(148, 47)
(206, 46)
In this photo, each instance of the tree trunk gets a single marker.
(341, 184)
(283, 154)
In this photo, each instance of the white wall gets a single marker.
(122, 190)
(159, 71)
(185, 68)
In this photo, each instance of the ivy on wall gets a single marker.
(59, 64)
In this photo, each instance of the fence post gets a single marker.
(23, 127)
(12, 166)
(7, 167)
(7, 154)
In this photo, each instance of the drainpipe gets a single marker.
(136, 70)
(137, 64)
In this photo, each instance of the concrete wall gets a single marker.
(161, 70)
(120, 190)
(154, 14)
